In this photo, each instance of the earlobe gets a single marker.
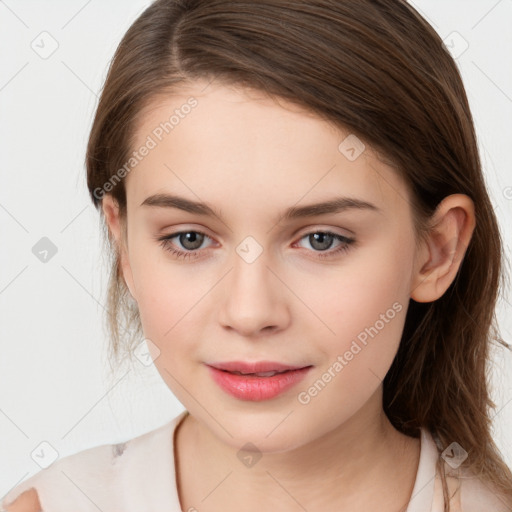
(444, 248)
(116, 230)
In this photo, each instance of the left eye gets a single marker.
(323, 240)
(191, 241)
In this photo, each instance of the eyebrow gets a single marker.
(335, 205)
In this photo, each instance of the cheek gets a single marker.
(167, 293)
(368, 284)
(364, 304)
(168, 303)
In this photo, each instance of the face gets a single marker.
(263, 282)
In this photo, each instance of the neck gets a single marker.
(351, 466)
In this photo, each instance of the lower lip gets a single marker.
(256, 389)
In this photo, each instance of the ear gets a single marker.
(117, 228)
(441, 254)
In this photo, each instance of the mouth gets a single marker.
(256, 381)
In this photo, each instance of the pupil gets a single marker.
(192, 238)
(321, 237)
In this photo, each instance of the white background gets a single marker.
(54, 384)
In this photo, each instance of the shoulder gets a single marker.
(94, 479)
(467, 492)
(55, 484)
(61, 482)
(475, 495)
(28, 501)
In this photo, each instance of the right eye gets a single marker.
(190, 240)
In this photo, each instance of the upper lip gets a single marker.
(253, 367)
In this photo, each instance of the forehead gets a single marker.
(241, 147)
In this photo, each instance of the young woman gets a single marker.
(300, 230)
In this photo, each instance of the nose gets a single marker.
(254, 303)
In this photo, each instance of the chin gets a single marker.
(266, 430)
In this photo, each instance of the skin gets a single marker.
(250, 157)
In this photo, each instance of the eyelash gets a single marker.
(165, 243)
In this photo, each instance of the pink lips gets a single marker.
(263, 380)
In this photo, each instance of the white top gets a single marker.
(140, 475)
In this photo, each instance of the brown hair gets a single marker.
(379, 69)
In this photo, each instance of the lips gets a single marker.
(258, 374)
(256, 381)
(255, 367)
